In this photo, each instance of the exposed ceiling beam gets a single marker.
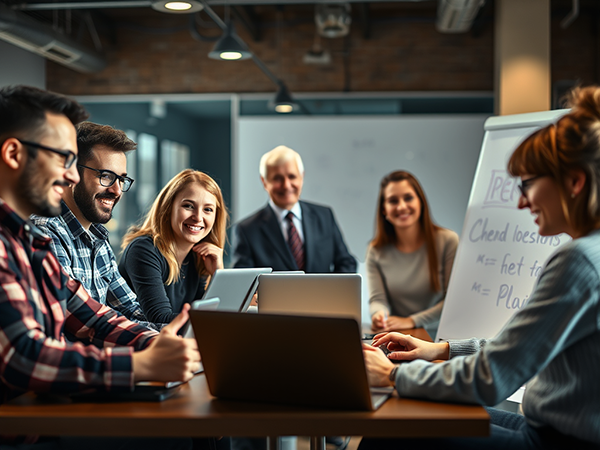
(31, 6)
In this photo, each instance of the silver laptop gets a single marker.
(209, 304)
(259, 368)
(332, 294)
(234, 287)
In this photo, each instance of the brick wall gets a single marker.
(404, 53)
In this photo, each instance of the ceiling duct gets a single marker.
(23, 31)
(334, 20)
(456, 16)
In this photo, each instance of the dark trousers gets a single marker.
(508, 431)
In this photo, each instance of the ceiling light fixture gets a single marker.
(230, 47)
(283, 102)
(333, 21)
(177, 7)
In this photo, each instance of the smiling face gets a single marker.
(284, 184)
(401, 205)
(193, 215)
(44, 178)
(542, 198)
(94, 201)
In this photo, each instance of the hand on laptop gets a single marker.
(211, 255)
(378, 366)
(169, 357)
(407, 348)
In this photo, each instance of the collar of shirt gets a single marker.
(76, 229)
(20, 228)
(281, 214)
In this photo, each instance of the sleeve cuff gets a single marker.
(464, 347)
(118, 375)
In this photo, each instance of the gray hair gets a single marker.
(279, 155)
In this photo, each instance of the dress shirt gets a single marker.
(88, 257)
(281, 215)
(39, 303)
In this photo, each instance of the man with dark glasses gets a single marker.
(79, 239)
(40, 305)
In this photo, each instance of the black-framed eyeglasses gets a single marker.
(108, 178)
(70, 157)
(526, 184)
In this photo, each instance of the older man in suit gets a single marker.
(289, 234)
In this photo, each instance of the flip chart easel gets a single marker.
(500, 253)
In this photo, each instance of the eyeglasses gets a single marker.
(70, 157)
(108, 178)
(526, 184)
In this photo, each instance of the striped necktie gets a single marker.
(294, 242)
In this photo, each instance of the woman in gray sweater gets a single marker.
(553, 343)
(409, 259)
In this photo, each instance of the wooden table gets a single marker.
(193, 412)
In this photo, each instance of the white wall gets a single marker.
(346, 157)
(19, 66)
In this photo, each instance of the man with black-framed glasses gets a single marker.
(40, 305)
(79, 238)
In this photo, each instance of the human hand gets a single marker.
(378, 366)
(399, 323)
(211, 255)
(381, 322)
(408, 348)
(254, 301)
(169, 357)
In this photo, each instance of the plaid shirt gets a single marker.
(39, 304)
(88, 257)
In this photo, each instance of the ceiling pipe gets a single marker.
(21, 30)
(277, 81)
(457, 16)
(82, 5)
(570, 18)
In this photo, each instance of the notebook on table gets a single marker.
(283, 359)
(235, 287)
(142, 392)
(332, 294)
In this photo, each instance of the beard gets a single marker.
(34, 195)
(86, 202)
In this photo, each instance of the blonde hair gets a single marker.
(572, 143)
(279, 155)
(157, 223)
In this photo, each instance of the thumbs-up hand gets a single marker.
(169, 357)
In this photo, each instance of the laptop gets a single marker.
(331, 294)
(209, 304)
(281, 359)
(235, 287)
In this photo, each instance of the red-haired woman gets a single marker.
(553, 343)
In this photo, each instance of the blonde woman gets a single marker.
(166, 261)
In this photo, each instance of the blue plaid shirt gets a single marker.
(87, 257)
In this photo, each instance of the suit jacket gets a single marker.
(259, 242)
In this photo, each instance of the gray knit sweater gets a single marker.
(553, 343)
(399, 282)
